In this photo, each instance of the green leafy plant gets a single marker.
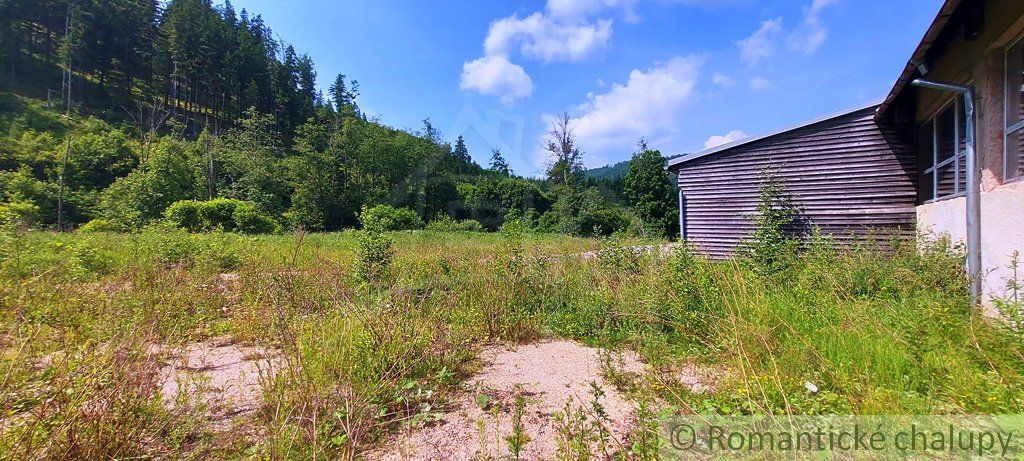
(518, 439)
(374, 255)
(772, 245)
(382, 218)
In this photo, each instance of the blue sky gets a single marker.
(684, 74)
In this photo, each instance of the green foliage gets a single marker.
(488, 200)
(775, 239)
(176, 248)
(141, 197)
(586, 212)
(249, 220)
(382, 218)
(445, 223)
(102, 225)
(648, 192)
(374, 254)
(220, 214)
(19, 214)
(252, 166)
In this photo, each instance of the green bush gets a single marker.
(446, 224)
(102, 225)
(375, 254)
(603, 222)
(184, 214)
(19, 213)
(388, 218)
(218, 214)
(249, 220)
(775, 240)
(222, 214)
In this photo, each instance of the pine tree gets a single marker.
(460, 150)
(498, 163)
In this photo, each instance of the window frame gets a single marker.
(1008, 129)
(954, 102)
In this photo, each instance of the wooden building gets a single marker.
(847, 174)
(899, 164)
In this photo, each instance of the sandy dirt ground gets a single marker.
(548, 374)
(219, 376)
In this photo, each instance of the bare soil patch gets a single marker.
(217, 377)
(549, 374)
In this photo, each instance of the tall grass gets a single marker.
(875, 331)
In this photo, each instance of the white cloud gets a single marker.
(715, 141)
(721, 79)
(497, 76)
(811, 33)
(760, 83)
(541, 37)
(564, 31)
(760, 44)
(648, 105)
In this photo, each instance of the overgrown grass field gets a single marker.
(376, 330)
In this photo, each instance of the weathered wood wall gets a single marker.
(849, 176)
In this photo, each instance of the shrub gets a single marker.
(388, 218)
(446, 224)
(184, 214)
(219, 214)
(375, 253)
(603, 222)
(774, 242)
(249, 220)
(19, 213)
(102, 225)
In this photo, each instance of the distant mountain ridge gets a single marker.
(617, 170)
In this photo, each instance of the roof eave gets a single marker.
(936, 28)
(742, 142)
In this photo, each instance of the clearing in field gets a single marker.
(172, 345)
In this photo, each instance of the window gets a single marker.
(1013, 166)
(944, 138)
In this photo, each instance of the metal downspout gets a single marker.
(682, 215)
(973, 185)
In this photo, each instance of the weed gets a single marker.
(374, 254)
(518, 439)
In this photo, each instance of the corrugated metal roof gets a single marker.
(938, 24)
(678, 161)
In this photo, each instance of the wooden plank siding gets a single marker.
(848, 175)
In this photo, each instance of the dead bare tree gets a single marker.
(149, 121)
(566, 155)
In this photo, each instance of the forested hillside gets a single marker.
(119, 114)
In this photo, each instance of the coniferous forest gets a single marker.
(113, 111)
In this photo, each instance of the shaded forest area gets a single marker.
(112, 111)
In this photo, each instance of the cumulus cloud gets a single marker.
(564, 31)
(811, 33)
(647, 105)
(760, 83)
(496, 76)
(715, 141)
(539, 36)
(760, 44)
(721, 79)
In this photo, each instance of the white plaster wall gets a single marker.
(1002, 232)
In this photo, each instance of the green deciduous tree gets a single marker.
(648, 191)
